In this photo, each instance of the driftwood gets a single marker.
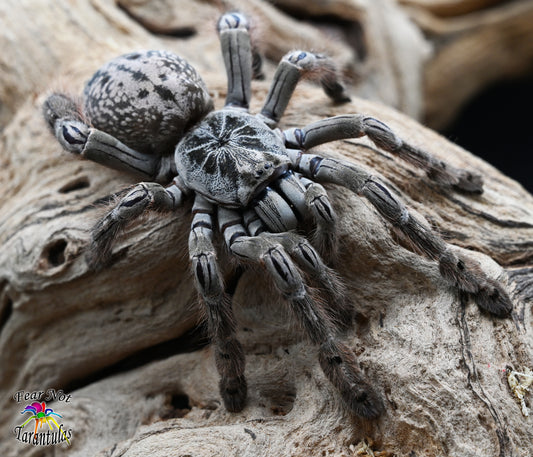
(126, 343)
(473, 47)
(426, 58)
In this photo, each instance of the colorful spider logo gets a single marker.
(41, 414)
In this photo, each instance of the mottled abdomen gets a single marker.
(146, 99)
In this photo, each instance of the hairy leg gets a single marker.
(294, 66)
(337, 361)
(229, 355)
(62, 114)
(337, 304)
(142, 197)
(461, 272)
(357, 125)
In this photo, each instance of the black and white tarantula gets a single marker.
(150, 113)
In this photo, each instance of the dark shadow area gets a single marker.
(497, 126)
(6, 309)
(191, 341)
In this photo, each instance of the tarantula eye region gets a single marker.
(259, 172)
(278, 173)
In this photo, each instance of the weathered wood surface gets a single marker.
(472, 49)
(427, 58)
(121, 340)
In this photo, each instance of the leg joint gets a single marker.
(72, 135)
(294, 138)
(302, 59)
(207, 276)
(385, 202)
(232, 21)
(285, 273)
(382, 135)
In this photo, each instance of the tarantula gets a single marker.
(150, 113)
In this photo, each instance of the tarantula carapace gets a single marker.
(150, 113)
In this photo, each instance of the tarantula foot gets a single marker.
(233, 392)
(494, 299)
(336, 91)
(468, 276)
(340, 367)
(103, 235)
(469, 182)
(462, 180)
(364, 402)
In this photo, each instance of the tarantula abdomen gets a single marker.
(146, 100)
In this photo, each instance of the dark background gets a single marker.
(497, 125)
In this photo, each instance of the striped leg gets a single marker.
(337, 361)
(230, 224)
(229, 355)
(291, 69)
(237, 53)
(325, 236)
(357, 125)
(337, 304)
(461, 272)
(76, 136)
(290, 199)
(142, 197)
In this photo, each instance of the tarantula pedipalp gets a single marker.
(150, 113)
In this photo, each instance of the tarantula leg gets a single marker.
(137, 200)
(461, 272)
(229, 355)
(310, 261)
(357, 125)
(253, 223)
(298, 247)
(318, 202)
(293, 66)
(290, 199)
(337, 361)
(257, 64)
(76, 136)
(237, 54)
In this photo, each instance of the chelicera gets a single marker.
(150, 113)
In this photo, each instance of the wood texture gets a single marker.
(126, 342)
(471, 52)
(453, 7)
(429, 58)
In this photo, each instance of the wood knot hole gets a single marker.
(54, 253)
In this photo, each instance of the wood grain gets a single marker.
(127, 344)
